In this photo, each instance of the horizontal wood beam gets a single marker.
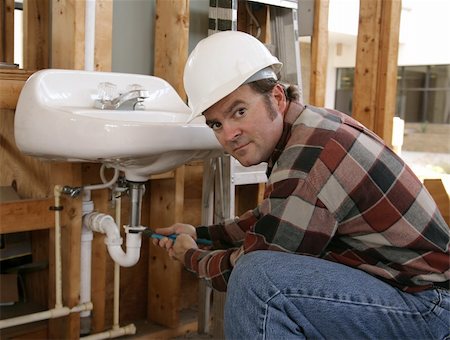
(11, 83)
(7, 31)
(26, 215)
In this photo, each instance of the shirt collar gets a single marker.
(292, 112)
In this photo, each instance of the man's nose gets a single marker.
(231, 132)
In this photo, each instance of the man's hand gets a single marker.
(185, 240)
(182, 244)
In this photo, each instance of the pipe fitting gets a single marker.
(105, 224)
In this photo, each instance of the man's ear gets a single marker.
(279, 97)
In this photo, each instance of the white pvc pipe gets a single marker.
(59, 310)
(89, 35)
(102, 223)
(85, 264)
(103, 185)
(86, 254)
(44, 315)
(58, 272)
(113, 333)
(105, 224)
(116, 300)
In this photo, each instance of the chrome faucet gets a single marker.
(133, 99)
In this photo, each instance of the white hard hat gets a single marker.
(221, 63)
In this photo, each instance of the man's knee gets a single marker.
(251, 276)
(251, 266)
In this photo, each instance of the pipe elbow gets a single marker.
(131, 256)
(105, 224)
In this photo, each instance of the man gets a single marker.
(346, 244)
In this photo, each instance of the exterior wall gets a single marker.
(423, 41)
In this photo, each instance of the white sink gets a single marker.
(56, 119)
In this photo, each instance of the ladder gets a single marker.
(221, 175)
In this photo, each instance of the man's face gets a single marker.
(247, 125)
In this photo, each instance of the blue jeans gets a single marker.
(275, 295)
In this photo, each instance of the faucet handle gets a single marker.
(135, 87)
(107, 91)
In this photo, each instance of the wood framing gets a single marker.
(247, 23)
(166, 208)
(36, 15)
(439, 189)
(319, 53)
(68, 34)
(103, 35)
(11, 83)
(67, 327)
(7, 31)
(68, 53)
(375, 85)
(33, 214)
(68, 17)
(167, 195)
(171, 41)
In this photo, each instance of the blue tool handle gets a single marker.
(174, 236)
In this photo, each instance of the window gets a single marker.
(423, 93)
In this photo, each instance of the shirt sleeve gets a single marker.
(215, 265)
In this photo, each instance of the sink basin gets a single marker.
(56, 119)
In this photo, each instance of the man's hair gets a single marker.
(264, 86)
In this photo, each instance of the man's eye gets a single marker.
(240, 113)
(215, 126)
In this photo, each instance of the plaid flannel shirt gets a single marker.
(337, 192)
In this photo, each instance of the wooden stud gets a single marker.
(387, 69)
(68, 53)
(375, 82)
(35, 34)
(171, 41)
(167, 195)
(166, 208)
(7, 31)
(319, 53)
(439, 189)
(67, 327)
(103, 35)
(68, 34)
(365, 81)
